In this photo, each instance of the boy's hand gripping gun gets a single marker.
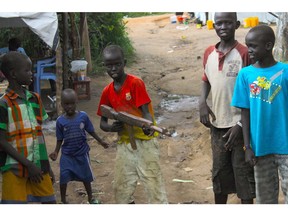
(131, 120)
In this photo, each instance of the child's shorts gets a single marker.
(230, 172)
(75, 168)
(17, 190)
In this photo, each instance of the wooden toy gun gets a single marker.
(131, 120)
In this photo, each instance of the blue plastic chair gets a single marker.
(42, 74)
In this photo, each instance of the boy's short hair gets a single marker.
(10, 61)
(232, 13)
(68, 91)
(264, 32)
(113, 48)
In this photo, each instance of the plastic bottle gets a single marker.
(173, 19)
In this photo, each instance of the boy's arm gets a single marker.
(204, 109)
(145, 112)
(54, 154)
(147, 115)
(103, 143)
(249, 155)
(34, 172)
(116, 126)
(232, 135)
(53, 157)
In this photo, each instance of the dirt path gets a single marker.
(169, 60)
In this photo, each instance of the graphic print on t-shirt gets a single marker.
(266, 89)
(128, 96)
(234, 67)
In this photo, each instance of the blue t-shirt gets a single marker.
(265, 92)
(73, 133)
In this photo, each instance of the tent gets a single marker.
(45, 25)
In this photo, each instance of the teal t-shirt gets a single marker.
(265, 92)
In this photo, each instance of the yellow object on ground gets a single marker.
(209, 24)
(247, 22)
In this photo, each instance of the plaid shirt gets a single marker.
(22, 119)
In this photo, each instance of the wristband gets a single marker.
(239, 123)
(245, 148)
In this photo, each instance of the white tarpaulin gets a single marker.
(45, 25)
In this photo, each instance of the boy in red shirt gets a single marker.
(128, 93)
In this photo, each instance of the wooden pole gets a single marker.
(86, 43)
(59, 79)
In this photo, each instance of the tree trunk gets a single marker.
(281, 45)
(74, 38)
(66, 76)
(81, 24)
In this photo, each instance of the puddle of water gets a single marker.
(179, 103)
(160, 119)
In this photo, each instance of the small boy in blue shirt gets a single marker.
(71, 130)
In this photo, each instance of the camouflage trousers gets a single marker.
(141, 164)
(267, 171)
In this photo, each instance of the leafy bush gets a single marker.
(106, 29)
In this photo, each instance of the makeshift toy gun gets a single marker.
(131, 120)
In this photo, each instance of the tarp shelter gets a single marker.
(45, 25)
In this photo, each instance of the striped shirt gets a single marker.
(72, 131)
(22, 118)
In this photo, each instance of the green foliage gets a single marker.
(106, 29)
